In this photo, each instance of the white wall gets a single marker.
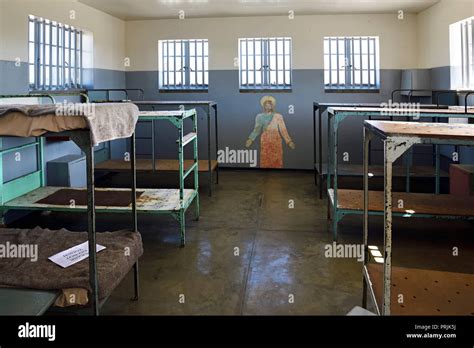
(108, 31)
(397, 37)
(433, 30)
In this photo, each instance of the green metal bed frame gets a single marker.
(335, 117)
(19, 188)
(23, 192)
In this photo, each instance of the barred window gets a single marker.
(183, 64)
(265, 63)
(55, 52)
(461, 36)
(351, 63)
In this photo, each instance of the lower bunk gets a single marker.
(30, 283)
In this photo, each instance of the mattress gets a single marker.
(123, 248)
(18, 125)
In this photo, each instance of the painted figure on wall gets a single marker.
(271, 127)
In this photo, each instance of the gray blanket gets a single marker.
(106, 121)
(123, 249)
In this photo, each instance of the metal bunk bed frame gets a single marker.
(336, 116)
(21, 185)
(320, 108)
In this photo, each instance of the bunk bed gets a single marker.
(104, 271)
(31, 193)
(432, 292)
(155, 165)
(169, 165)
(321, 169)
(345, 202)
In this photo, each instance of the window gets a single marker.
(351, 63)
(461, 54)
(56, 59)
(183, 64)
(265, 63)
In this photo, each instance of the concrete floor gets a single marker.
(280, 268)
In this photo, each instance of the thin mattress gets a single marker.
(123, 248)
(106, 121)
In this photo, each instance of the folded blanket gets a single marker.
(106, 121)
(35, 271)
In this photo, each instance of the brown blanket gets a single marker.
(123, 249)
(107, 121)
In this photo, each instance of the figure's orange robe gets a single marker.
(272, 128)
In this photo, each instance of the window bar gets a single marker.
(375, 63)
(50, 55)
(202, 62)
(43, 77)
(360, 58)
(368, 62)
(254, 65)
(166, 45)
(290, 58)
(37, 53)
(70, 60)
(277, 70)
(188, 63)
(195, 62)
(58, 76)
(337, 59)
(263, 62)
(352, 63)
(241, 71)
(81, 68)
(76, 56)
(174, 60)
(63, 30)
(284, 62)
(183, 63)
(330, 40)
(247, 59)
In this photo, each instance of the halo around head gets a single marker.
(266, 99)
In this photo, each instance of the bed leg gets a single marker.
(182, 229)
(197, 207)
(136, 282)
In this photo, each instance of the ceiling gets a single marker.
(161, 9)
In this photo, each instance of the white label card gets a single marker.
(73, 255)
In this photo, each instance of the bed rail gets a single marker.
(123, 90)
(28, 96)
(72, 93)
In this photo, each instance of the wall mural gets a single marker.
(271, 127)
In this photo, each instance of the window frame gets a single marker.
(186, 70)
(68, 76)
(350, 55)
(265, 63)
(462, 54)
